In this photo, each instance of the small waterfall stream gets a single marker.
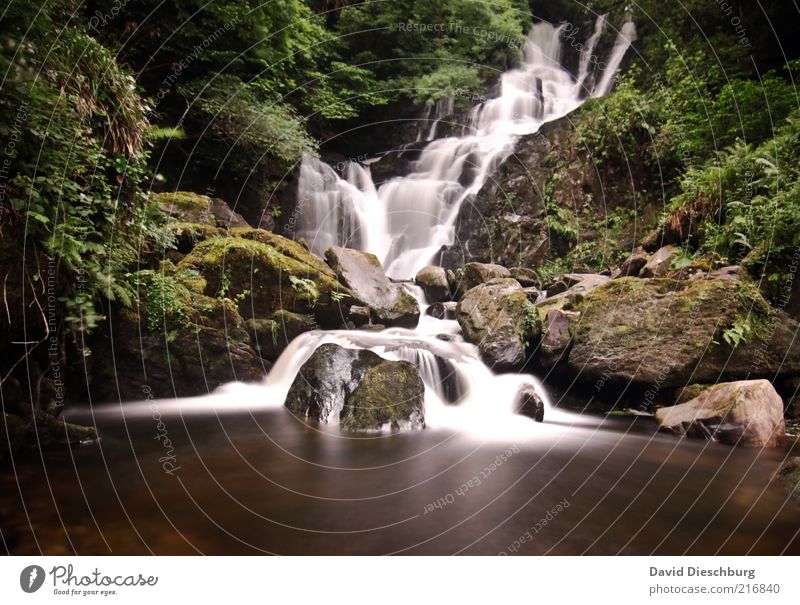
(407, 220)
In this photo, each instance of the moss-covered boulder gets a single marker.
(357, 389)
(389, 304)
(499, 318)
(433, 281)
(665, 334)
(193, 208)
(475, 274)
(264, 272)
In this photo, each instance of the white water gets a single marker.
(408, 219)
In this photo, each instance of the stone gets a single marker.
(498, 317)
(362, 274)
(357, 389)
(671, 333)
(188, 207)
(433, 281)
(634, 264)
(660, 262)
(556, 337)
(474, 274)
(269, 337)
(788, 477)
(526, 277)
(442, 310)
(747, 413)
(530, 404)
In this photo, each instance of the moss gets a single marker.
(388, 393)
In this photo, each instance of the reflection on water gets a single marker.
(263, 482)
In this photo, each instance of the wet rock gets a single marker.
(357, 389)
(498, 317)
(474, 274)
(660, 262)
(390, 393)
(672, 332)
(433, 281)
(442, 310)
(747, 413)
(530, 404)
(362, 273)
(269, 337)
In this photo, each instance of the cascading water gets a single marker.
(408, 219)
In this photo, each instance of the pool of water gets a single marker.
(171, 480)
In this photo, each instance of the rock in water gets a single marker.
(362, 273)
(498, 317)
(530, 404)
(357, 389)
(747, 413)
(788, 477)
(433, 281)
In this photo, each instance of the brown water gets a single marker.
(266, 483)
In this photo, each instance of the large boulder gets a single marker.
(433, 281)
(748, 413)
(666, 334)
(362, 273)
(498, 317)
(188, 207)
(357, 389)
(556, 336)
(264, 272)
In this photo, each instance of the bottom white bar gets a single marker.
(402, 580)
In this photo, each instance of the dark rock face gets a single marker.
(634, 264)
(362, 273)
(498, 317)
(433, 281)
(530, 404)
(357, 389)
(671, 333)
(556, 337)
(747, 413)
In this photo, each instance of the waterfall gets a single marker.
(408, 219)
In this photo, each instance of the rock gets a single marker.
(362, 273)
(660, 262)
(669, 333)
(188, 207)
(526, 277)
(264, 272)
(357, 389)
(442, 310)
(433, 281)
(391, 393)
(634, 264)
(788, 476)
(359, 315)
(498, 317)
(269, 337)
(474, 274)
(556, 337)
(575, 283)
(747, 413)
(530, 404)
(732, 272)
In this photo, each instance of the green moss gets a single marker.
(388, 393)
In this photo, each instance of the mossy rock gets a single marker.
(357, 389)
(670, 333)
(264, 273)
(193, 208)
(390, 393)
(271, 336)
(499, 318)
(788, 477)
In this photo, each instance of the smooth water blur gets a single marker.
(265, 482)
